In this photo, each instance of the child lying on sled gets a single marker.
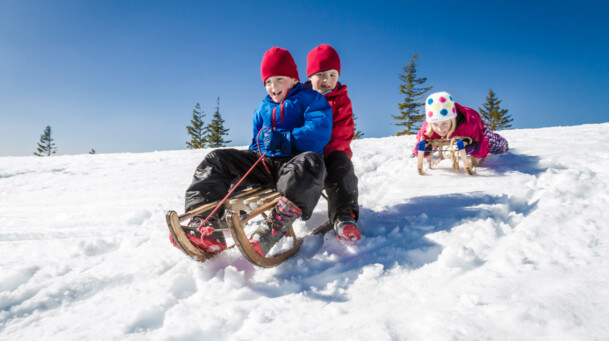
(446, 119)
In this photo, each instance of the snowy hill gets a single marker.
(519, 251)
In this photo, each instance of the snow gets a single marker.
(519, 251)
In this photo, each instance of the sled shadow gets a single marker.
(325, 267)
(514, 162)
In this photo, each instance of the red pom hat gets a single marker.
(323, 57)
(278, 62)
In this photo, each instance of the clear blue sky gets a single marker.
(124, 76)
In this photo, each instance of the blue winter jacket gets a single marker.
(304, 118)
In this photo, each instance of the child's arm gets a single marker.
(420, 137)
(342, 128)
(473, 127)
(256, 126)
(482, 148)
(317, 128)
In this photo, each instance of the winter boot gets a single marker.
(345, 227)
(275, 226)
(213, 243)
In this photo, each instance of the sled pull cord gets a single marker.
(259, 151)
(209, 230)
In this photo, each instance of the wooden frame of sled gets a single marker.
(453, 149)
(240, 209)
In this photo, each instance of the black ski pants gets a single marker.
(300, 178)
(341, 186)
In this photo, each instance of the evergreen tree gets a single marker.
(215, 130)
(92, 151)
(196, 129)
(46, 146)
(357, 133)
(495, 117)
(410, 110)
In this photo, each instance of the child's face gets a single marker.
(324, 81)
(441, 128)
(278, 87)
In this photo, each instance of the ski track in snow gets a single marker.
(518, 251)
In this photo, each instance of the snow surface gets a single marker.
(519, 251)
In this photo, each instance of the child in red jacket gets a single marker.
(323, 70)
(446, 118)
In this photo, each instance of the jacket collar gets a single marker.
(293, 91)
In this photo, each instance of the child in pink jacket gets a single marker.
(446, 118)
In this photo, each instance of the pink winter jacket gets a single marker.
(471, 126)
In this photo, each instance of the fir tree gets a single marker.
(196, 129)
(357, 133)
(410, 110)
(46, 146)
(215, 130)
(495, 117)
(92, 151)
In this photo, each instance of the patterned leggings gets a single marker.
(496, 142)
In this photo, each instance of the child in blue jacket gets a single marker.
(291, 125)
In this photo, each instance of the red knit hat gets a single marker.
(278, 62)
(323, 57)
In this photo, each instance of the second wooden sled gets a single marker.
(240, 209)
(454, 148)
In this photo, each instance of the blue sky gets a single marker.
(124, 76)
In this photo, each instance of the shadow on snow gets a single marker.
(324, 267)
(513, 162)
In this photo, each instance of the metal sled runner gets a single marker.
(240, 209)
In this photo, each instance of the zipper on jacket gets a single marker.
(280, 111)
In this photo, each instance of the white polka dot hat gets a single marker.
(440, 106)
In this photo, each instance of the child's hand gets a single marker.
(425, 147)
(271, 139)
(472, 148)
(428, 149)
(277, 141)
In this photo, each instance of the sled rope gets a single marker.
(206, 231)
(259, 151)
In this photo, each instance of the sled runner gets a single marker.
(240, 209)
(453, 149)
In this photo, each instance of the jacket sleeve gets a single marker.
(315, 133)
(477, 134)
(342, 128)
(256, 125)
(420, 137)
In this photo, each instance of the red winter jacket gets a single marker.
(342, 121)
(469, 124)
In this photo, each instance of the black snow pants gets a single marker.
(299, 178)
(341, 185)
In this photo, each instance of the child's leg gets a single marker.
(301, 181)
(341, 185)
(497, 144)
(219, 170)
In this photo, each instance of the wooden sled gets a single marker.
(240, 209)
(453, 149)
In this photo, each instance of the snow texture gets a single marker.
(519, 251)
